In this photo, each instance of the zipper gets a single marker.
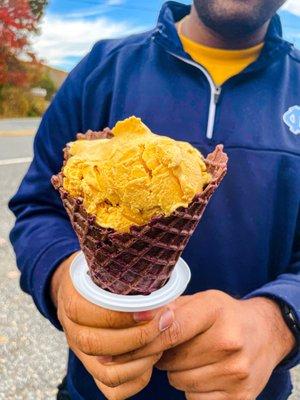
(215, 92)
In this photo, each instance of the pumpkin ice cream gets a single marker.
(134, 199)
(134, 176)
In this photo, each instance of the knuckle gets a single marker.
(111, 377)
(216, 293)
(97, 374)
(111, 396)
(85, 341)
(172, 335)
(192, 385)
(156, 358)
(80, 340)
(243, 396)
(60, 316)
(218, 297)
(109, 393)
(242, 375)
(173, 380)
(230, 345)
(95, 371)
(69, 341)
(240, 370)
(145, 379)
(115, 396)
(70, 308)
(142, 337)
(109, 319)
(227, 396)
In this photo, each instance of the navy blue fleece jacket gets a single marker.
(248, 242)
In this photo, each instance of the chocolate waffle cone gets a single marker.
(141, 261)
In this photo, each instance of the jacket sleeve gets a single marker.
(286, 288)
(43, 236)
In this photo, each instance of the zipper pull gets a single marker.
(217, 94)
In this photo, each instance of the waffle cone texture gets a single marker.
(141, 261)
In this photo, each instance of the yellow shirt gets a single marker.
(221, 64)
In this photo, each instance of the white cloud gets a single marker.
(90, 12)
(62, 38)
(293, 6)
(99, 9)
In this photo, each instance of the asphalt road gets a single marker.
(18, 124)
(32, 353)
(15, 147)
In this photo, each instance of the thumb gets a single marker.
(194, 316)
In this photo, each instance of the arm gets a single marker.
(42, 236)
(45, 244)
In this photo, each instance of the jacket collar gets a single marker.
(166, 35)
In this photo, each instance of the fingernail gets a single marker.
(166, 320)
(143, 316)
(104, 359)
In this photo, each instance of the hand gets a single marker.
(220, 348)
(95, 335)
(238, 345)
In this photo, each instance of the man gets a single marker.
(218, 72)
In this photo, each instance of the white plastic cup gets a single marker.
(174, 288)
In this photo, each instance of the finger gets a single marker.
(206, 396)
(82, 312)
(205, 379)
(114, 375)
(180, 301)
(197, 352)
(145, 316)
(148, 315)
(127, 390)
(110, 342)
(185, 327)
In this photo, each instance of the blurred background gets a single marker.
(40, 42)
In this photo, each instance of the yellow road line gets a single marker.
(23, 132)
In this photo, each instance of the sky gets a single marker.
(70, 27)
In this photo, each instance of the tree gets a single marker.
(37, 7)
(18, 19)
(47, 83)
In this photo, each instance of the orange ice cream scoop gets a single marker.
(134, 176)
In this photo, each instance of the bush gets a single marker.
(14, 102)
(47, 83)
(19, 102)
(37, 107)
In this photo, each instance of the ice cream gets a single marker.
(134, 176)
(119, 189)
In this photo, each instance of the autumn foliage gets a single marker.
(18, 19)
